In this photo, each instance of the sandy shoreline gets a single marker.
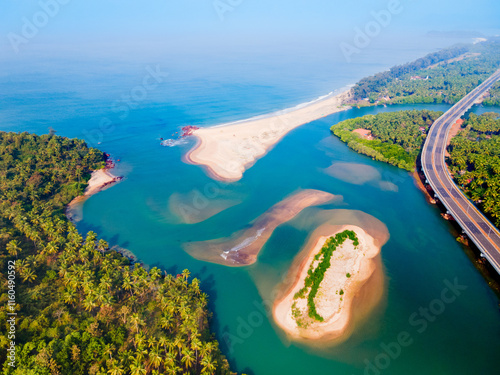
(363, 265)
(227, 151)
(99, 180)
(244, 246)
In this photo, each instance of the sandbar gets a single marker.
(242, 248)
(352, 274)
(193, 207)
(226, 151)
(99, 180)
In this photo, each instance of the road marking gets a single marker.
(443, 124)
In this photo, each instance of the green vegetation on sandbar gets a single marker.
(475, 162)
(396, 137)
(82, 308)
(441, 77)
(315, 275)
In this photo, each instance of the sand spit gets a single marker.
(99, 180)
(227, 151)
(243, 247)
(352, 287)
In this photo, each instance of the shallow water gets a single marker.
(137, 214)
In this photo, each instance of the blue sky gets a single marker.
(91, 26)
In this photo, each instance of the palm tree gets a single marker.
(196, 345)
(185, 274)
(89, 303)
(136, 321)
(155, 359)
(154, 273)
(13, 247)
(208, 365)
(108, 350)
(28, 275)
(136, 368)
(162, 341)
(116, 370)
(196, 286)
(69, 296)
(127, 285)
(102, 245)
(187, 358)
(100, 295)
(169, 360)
(166, 321)
(106, 283)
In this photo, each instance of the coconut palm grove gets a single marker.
(81, 307)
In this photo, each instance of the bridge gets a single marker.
(479, 229)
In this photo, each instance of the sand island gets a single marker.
(226, 151)
(319, 304)
(242, 248)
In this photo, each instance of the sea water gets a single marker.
(91, 100)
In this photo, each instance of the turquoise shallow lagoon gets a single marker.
(420, 259)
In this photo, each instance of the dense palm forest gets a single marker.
(81, 308)
(493, 97)
(442, 77)
(396, 137)
(475, 162)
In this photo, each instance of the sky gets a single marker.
(110, 26)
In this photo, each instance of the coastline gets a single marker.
(361, 292)
(100, 180)
(227, 151)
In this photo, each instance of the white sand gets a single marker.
(336, 309)
(99, 180)
(227, 151)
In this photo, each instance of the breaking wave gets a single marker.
(173, 142)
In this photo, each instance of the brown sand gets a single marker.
(243, 247)
(364, 133)
(227, 151)
(193, 207)
(360, 174)
(100, 180)
(362, 291)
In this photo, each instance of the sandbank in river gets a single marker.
(226, 151)
(243, 247)
(341, 300)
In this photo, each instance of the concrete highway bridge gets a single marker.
(479, 229)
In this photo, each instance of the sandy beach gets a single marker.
(244, 246)
(227, 151)
(99, 180)
(335, 301)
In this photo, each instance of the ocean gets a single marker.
(125, 108)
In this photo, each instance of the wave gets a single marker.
(246, 242)
(288, 110)
(173, 142)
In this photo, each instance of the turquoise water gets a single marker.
(136, 214)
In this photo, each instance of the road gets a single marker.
(479, 229)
